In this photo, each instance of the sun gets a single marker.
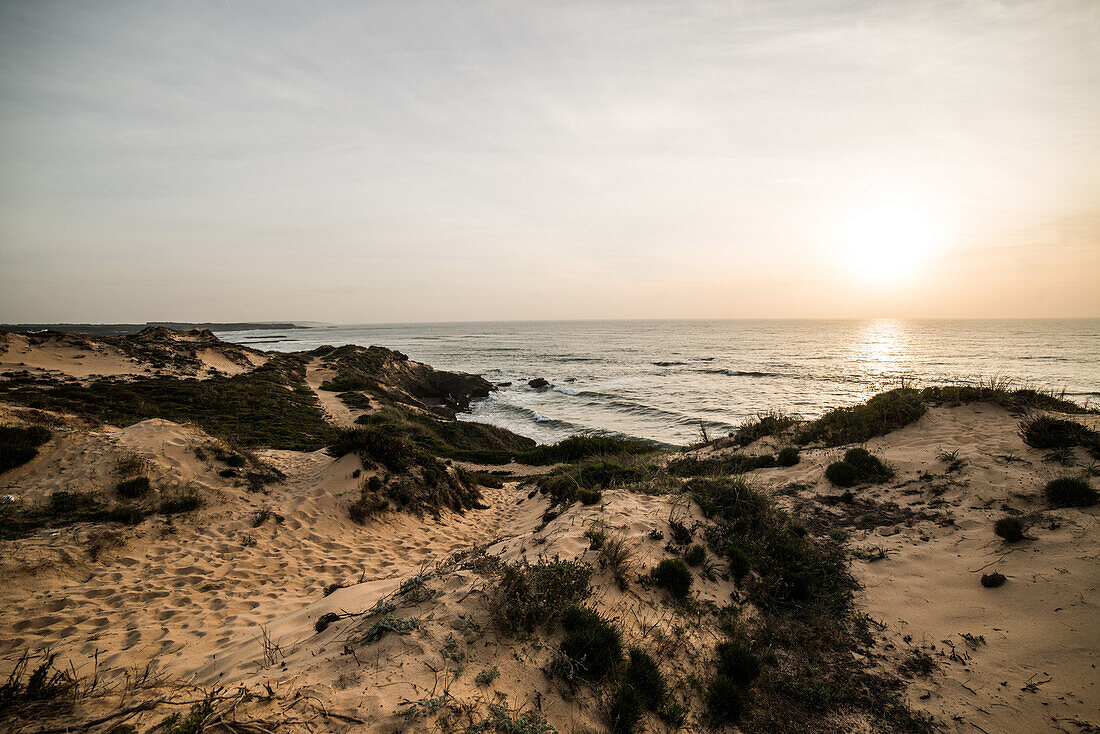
(888, 239)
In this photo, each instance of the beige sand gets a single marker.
(196, 597)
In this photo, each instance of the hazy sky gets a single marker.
(407, 161)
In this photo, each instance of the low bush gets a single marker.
(589, 496)
(880, 415)
(644, 676)
(625, 710)
(125, 514)
(592, 643)
(714, 466)
(1047, 432)
(765, 424)
(178, 504)
(739, 562)
(534, 594)
(788, 457)
(673, 575)
(842, 474)
(577, 448)
(1070, 492)
(1010, 528)
(695, 555)
(869, 466)
(859, 466)
(133, 488)
(737, 662)
(19, 444)
(724, 700)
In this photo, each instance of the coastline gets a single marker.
(231, 593)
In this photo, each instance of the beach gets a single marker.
(315, 542)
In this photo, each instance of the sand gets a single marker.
(212, 598)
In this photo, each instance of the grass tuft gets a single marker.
(1071, 492)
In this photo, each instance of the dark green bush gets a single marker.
(724, 700)
(577, 448)
(536, 594)
(603, 474)
(270, 406)
(695, 555)
(880, 415)
(236, 461)
(1070, 492)
(737, 662)
(64, 501)
(1046, 432)
(645, 677)
(739, 561)
(593, 643)
(1010, 528)
(625, 710)
(19, 444)
(187, 502)
(125, 514)
(714, 466)
(674, 575)
(842, 474)
(788, 457)
(133, 488)
(869, 466)
(764, 424)
(589, 496)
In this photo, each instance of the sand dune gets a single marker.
(230, 595)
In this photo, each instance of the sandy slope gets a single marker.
(196, 596)
(86, 356)
(1041, 627)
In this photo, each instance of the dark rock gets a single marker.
(993, 580)
(539, 383)
(504, 384)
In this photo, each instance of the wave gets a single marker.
(669, 364)
(565, 390)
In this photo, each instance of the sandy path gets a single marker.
(334, 407)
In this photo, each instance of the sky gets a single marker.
(364, 162)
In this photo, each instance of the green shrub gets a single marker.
(869, 466)
(236, 461)
(842, 474)
(1010, 528)
(536, 594)
(187, 502)
(1070, 492)
(739, 562)
(645, 677)
(589, 496)
(64, 501)
(673, 574)
(577, 448)
(125, 514)
(690, 466)
(788, 457)
(19, 444)
(625, 710)
(133, 488)
(880, 415)
(695, 555)
(724, 700)
(593, 643)
(269, 406)
(737, 662)
(1046, 432)
(603, 474)
(765, 424)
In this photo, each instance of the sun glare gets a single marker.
(888, 240)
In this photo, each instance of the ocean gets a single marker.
(664, 380)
